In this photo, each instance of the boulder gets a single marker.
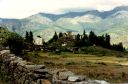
(22, 63)
(5, 52)
(76, 78)
(64, 75)
(34, 67)
(100, 82)
(44, 81)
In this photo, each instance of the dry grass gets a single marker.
(108, 68)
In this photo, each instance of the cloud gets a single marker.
(25, 8)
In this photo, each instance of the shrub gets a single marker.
(15, 43)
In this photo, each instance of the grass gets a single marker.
(109, 68)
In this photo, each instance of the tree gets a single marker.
(84, 40)
(107, 41)
(101, 41)
(120, 47)
(85, 35)
(55, 37)
(27, 37)
(31, 37)
(92, 38)
(15, 43)
(77, 40)
(60, 35)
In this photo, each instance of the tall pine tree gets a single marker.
(27, 37)
(60, 35)
(107, 41)
(92, 38)
(30, 37)
(55, 37)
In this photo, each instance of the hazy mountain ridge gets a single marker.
(113, 22)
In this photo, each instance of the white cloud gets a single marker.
(25, 8)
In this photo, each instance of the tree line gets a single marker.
(90, 39)
(17, 44)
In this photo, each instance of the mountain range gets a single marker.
(113, 22)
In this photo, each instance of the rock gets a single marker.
(17, 60)
(83, 82)
(100, 82)
(57, 71)
(64, 75)
(35, 76)
(22, 63)
(12, 57)
(41, 71)
(76, 78)
(33, 82)
(27, 82)
(39, 81)
(5, 52)
(34, 67)
(45, 81)
(82, 78)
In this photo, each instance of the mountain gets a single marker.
(113, 22)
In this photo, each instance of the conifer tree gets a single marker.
(107, 41)
(84, 40)
(120, 47)
(27, 37)
(77, 40)
(85, 35)
(55, 37)
(60, 34)
(92, 38)
(30, 37)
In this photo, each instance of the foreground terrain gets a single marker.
(109, 68)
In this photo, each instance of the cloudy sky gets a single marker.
(25, 8)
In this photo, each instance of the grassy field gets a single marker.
(109, 68)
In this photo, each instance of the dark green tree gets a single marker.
(107, 41)
(84, 40)
(120, 47)
(27, 37)
(31, 37)
(100, 41)
(15, 43)
(55, 37)
(85, 35)
(92, 38)
(77, 41)
(60, 34)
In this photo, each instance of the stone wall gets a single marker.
(18, 71)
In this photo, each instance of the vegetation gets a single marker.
(84, 54)
(15, 43)
(109, 67)
(29, 37)
(83, 41)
